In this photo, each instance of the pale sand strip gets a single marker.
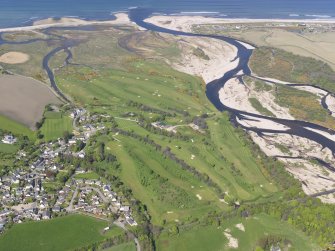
(14, 57)
(220, 53)
(121, 19)
(185, 23)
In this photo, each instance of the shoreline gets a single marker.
(122, 18)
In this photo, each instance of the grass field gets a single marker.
(58, 234)
(15, 127)
(156, 85)
(5, 148)
(169, 192)
(55, 126)
(130, 246)
(258, 227)
(53, 115)
(87, 176)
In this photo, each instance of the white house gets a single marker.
(9, 139)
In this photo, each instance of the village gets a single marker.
(25, 193)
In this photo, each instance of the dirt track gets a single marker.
(23, 99)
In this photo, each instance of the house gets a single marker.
(46, 215)
(72, 141)
(81, 154)
(56, 209)
(9, 139)
(4, 213)
(125, 209)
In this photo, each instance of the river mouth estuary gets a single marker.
(162, 129)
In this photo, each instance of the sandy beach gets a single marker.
(185, 23)
(121, 18)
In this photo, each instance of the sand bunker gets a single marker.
(14, 57)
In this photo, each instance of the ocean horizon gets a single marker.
(24, 12)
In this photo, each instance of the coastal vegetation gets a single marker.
(286, 66)
(294, 99)
(259, 107)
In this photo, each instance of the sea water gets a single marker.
(24, 12)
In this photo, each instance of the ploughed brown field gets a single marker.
(24, 99)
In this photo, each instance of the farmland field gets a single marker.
(23, 99)
(54, 127)
(15, 127)
(63, 233)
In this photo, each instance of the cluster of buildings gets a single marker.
(24, 195)
(94, 197)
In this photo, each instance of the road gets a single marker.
(102, 196)
(121, 225)
(70, 207)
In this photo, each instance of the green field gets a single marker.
(15, 127)
(58, 234)
(87, 176)
(53, 115)
(256, 228)
(170, 192)
(149, 83)
(6, 148)
(54, 127)
(130, 246)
